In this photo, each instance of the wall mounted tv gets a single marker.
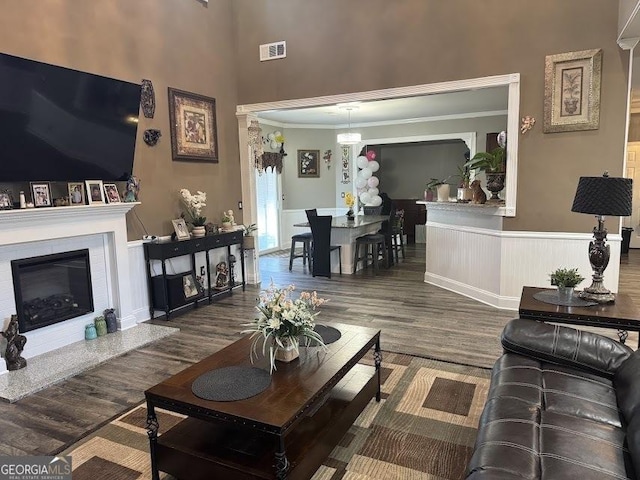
(58, 124)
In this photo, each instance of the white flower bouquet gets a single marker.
(283, 321)
(193, 206)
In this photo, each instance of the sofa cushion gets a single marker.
(564, 346)
(627, 383)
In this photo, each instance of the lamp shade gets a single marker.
(610, 196)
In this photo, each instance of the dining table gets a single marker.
(344, 233)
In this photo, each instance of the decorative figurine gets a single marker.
(222, 275)
(132, 189)
(15, 345)
(478, 195)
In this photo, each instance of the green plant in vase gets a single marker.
(566, 279)
(493, 164)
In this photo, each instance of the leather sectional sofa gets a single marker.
(563, 404)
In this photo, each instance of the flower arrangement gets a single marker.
(283, 321)
(193, 207)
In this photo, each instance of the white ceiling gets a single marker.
(458, 104)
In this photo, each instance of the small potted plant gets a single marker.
(440, 186)
(566, 279)
(227, 220)
(283, 322)
(349, 201)
(193, 205)
(465, 194)
(248, 240)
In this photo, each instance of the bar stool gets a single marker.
(397, 235)
(306, 239)
(371, 245)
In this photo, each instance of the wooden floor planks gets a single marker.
(415, 318)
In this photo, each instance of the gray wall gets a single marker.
(405, 168)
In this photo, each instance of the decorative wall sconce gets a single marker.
(151, 136)
(527, 124)
(147, 99)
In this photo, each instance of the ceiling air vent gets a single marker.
(272, 51)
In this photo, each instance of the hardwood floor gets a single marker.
(415, 318)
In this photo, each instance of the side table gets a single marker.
(621, 315)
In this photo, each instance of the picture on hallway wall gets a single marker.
(572, 91)
(192, 119)
(308, 163)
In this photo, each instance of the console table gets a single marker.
(163, 251)
(621, 315)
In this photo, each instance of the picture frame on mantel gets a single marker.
(572, 91)
(95, 192)
(193, 126)
(308, 163)
(41, 194)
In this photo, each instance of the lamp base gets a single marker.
(597, 295)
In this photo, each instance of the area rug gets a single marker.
(424, 429)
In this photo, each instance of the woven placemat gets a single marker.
(231, 383)
(552, 298)
(328, 334)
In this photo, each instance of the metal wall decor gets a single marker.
(148, 99)
(346, 174)
(151, 136)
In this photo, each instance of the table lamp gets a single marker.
(601, 196)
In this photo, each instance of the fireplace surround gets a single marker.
(102, 230)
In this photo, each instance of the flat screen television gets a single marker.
(59, 124)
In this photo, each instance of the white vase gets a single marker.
(226, 226)
(443, 192)
(290, 350)
(198, 231)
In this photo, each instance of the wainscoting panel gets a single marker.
(492, 266)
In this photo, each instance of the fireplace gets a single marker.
(49, 289)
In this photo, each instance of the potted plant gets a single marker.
(440, 186)
(465, 194)
(493, 165)
(282, 322)
(566, 279)
(193, 205)
(248, 240)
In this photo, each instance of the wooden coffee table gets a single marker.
(287, 431)
(621, 315)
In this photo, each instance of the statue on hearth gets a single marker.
(15, 345)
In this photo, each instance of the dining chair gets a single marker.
(322, 248)
(306, 239)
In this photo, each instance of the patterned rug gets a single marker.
(423, 429)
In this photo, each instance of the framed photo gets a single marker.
(572, 91)
(5, 201)
(95, 191)
(192, 120)
(191, 286)
(308, 163)
(180, 227)
(41, 194)
(76, 193)
(111, 193)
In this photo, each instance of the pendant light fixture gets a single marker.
(349, 138)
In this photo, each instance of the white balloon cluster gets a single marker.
(366, 182)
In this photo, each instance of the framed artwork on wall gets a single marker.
(308, 163)
(572, 91)
(41, 194)
(111, 193)
(192, 121)
(76, 193)
(95, 191)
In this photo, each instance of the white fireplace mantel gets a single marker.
(29, 232)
